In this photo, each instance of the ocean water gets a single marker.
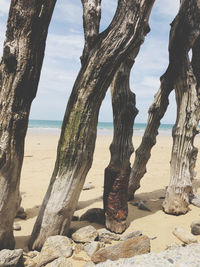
(104, 128)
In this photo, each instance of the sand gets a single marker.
(40, 154)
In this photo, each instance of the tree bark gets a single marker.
(20, 67)
(118, 171)
(184, 153)
(77, 141)
(179, 45)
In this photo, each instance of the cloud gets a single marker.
(65, 46)
(167, 8)
(4, 7)
(69, 11)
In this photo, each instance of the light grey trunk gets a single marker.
(19, 75)
(77, 141)
(179, 45)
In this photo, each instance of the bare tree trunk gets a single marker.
(19, 75)
(118, 171)
(179, 45)
(77, 141)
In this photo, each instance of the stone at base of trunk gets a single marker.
(175, 205)
(117, 227)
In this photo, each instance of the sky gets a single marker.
(62, 59)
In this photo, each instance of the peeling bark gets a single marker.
(184, 31)
(19, 75)
(77, 141)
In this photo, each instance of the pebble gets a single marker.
(17, 227)
(181, 257)
(142, 206)
(88, 186)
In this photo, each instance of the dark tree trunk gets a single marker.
(78, 135)
(19, 75)
(179, 45)
(118, 171)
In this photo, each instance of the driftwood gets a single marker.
(184, 31)
(78, 135)
(19, 75)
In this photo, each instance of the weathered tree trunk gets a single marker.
(179, 45)
(118, 171)
(77, 141)
(19, 75)
(184, 154)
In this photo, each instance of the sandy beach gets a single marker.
(40, 154)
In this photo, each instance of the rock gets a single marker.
(195, 200)
(94, 215)
(89, 264)
(91, 248)
(53, 248)
(21, 214)
(131, 235)
(75, 218)
(60, 262)
(195, 227)
(88, 186)
(105, 235)
(78, 248)
(11, 258)
(17, 227)
(142, 206)
(85, 234)
(125, 249)
(184, 236)
(28, 258)
(172, 246)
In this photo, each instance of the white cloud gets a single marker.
(4, 7)
(65, 46)
(70, 11)
(167, 7)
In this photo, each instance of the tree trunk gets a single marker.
(77, 141)
(183, 152)
(19, 75)
(118, 171)
(180, 43)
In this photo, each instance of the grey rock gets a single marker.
(195, 200)
(172, 246)
(17, 227)
(131, 235)
(22, 216)
(89, 264)
(184, 235)
(11, 258)
(60, 262)
(105, 235)
(94, 215)
(88, 186)
(195, 227)
(85, 234)
(54, 248)
(142, 206)
(125, 249)
(91, 248)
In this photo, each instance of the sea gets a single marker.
(103, 128)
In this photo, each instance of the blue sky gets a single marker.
(64, 48)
